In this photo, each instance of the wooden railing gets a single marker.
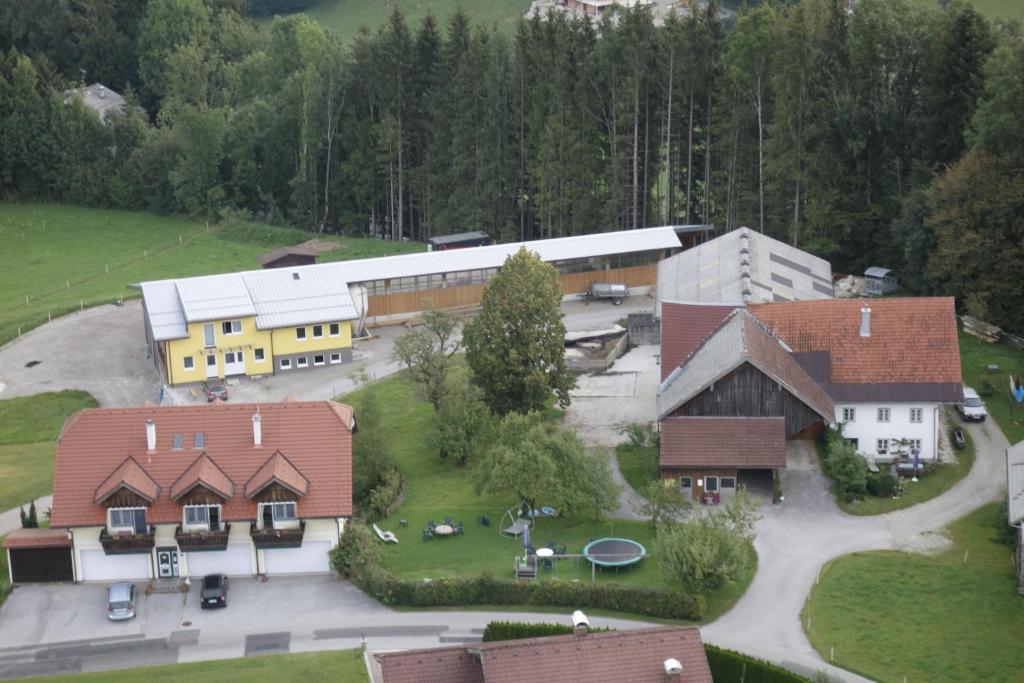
(124, 544)
(267, 539)
(213, 539)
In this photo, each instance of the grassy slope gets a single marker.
(638, 465)
(435, 489)
(309, 667)
(976, 355)
(925, 488)
(46, 245)
(937, 619)
(347, 16)
(28, 428)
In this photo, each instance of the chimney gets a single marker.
(257, 430)
(150, 435)
(103, 92)
(580, 623)
(673, 668)
(865, 321)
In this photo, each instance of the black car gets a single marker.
(214, 592)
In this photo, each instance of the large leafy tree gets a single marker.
(426, 351)
(516, 347)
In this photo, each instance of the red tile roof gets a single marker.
(94, 442)
(637, 656)
(729, 442)
(913, 340)
(277, 469)
(683, 328)
(128, 475)
(37, 538)
(205, 472)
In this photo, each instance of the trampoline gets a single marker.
(614, 552)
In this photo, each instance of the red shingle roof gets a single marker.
(204, 472)
(37, 538)
(96, 441)
(683, 328)
(637, 656)
(277, 469)
(128, 475)
(740, 442)
(913, 340)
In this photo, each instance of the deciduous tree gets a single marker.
(426, 351)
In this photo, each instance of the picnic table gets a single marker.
(444, 530)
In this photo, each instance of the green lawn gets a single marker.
(28, 428)
(49, 246)
(975, 356)
(435, 488)
(308, 667)
(952, 617)
(932, 484)
(347, 16)
(638, 465)
(993, 9)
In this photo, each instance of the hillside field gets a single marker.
(65, 257)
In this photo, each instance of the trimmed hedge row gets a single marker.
(728, 666)
(488, 590)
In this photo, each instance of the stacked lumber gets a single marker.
(981, 330)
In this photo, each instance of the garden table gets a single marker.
(444, 530)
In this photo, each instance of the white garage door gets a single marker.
(98, 566)
(311, 557)
(235, 561)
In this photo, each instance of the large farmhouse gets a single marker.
(738, 381)
(165, 492)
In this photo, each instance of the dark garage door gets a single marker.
(34, 565)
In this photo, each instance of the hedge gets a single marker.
(728, 666)
(517, 630)
(487, 590)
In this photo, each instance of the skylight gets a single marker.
(179, 441)
(200, 440)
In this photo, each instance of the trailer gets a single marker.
(604, 290)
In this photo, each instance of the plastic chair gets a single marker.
(547, 563)
(485, 520)
(428, 535)
(448, 520)
(458, 528)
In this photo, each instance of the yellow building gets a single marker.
(257, 323)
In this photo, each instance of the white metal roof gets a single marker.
(322, 294)
(1015, 482)
(163, 309)
(743, 266)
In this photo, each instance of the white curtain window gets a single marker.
(197, 515)
(284, 512)
(128, 518)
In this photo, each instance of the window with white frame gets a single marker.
(257, 355)
(201, 516)
(914, 445)
(318, 360)
(276, 513)
(286, 363)
(917, 415)
(301, 362)
(335, 329)
(318, 331)
(854, 442)
(127, 519)
(883, 414)
(188, 362)
(849, 414)
(229, 327)
(208, 335)
(335, 358)
(882, 446)
(300, 333)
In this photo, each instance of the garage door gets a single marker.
(236, 560)
(310, 558)
(33, 565)
(98, 566)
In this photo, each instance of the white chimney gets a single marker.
(673, 667)
(150, 435)
(580, 623)
(103, 93)
(865, 321)
(257, 430)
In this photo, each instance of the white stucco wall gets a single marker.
(867, 429)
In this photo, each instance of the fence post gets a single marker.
(49, 316)
(68, 283)
(81, 304)
(832, 653)
(107, 268)
(19, 330)
(145, 254)
(26, 299)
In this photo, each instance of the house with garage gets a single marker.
(738, 381)
(169, 492)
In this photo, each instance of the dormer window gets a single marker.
(127, 520)
(201, 517)
(277, 515)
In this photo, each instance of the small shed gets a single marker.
(39, 555)
(879, 281)
(286, 257)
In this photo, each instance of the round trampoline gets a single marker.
(614, 552)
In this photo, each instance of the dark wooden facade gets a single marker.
(200, 495)
(126, 498)
(748, 392)
(276, 493)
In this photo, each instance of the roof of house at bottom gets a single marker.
(605, 657)
(305, 446)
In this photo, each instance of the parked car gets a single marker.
(214, 592)
(121, 601)
(215, 390)
(972, 407)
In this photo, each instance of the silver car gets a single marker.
(121, 601)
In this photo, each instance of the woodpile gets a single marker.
(981, 330)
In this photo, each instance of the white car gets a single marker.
(972, 408)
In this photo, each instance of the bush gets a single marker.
(356, 553)
(844, 466)
(776, 490)
(985, 388)
(882, 485)
(517, 630)
(642, 436)
(728, 665)
(383, 495)
(701, 555)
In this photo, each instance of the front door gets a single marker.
(727, 488)
(234, 363)
(167, 563)
(211, 365)
(686, 484)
